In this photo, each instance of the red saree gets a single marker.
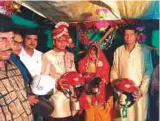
(93, 104)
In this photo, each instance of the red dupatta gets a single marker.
(102, 65)
(102, 71)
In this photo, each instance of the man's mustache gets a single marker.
(7, 50)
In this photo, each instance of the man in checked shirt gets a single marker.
(14, 105)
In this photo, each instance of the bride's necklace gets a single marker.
(91, 66)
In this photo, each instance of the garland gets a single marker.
(9, 7)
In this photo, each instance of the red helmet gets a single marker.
(73, 78)
(125, 85)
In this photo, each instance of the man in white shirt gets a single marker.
(29, 55)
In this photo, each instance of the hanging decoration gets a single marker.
(108, 41)
(102, 25)
(102, 13)
(90, 26)
(141, 36)
(83, 36)
(9, 7)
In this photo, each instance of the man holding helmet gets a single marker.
(133, 61)
(56, 62)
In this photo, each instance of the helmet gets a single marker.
(126, 87)
(73, 78)
(92, 85)
(42, 84)
(92, 82)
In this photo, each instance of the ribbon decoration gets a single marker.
(106, 34)
(124, 112)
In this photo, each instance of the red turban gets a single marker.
(60, 30)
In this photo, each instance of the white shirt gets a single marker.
(33, 63)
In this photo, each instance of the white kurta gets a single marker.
(56, 64)
(33, 63)
(137, 66)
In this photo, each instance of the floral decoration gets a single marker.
(141, 36)
(9, 7)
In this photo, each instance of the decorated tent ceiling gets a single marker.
(81, 11)
(85, 19)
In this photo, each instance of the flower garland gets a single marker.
(9, 7)
(6, 7)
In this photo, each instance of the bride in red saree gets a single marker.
(98, 107)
